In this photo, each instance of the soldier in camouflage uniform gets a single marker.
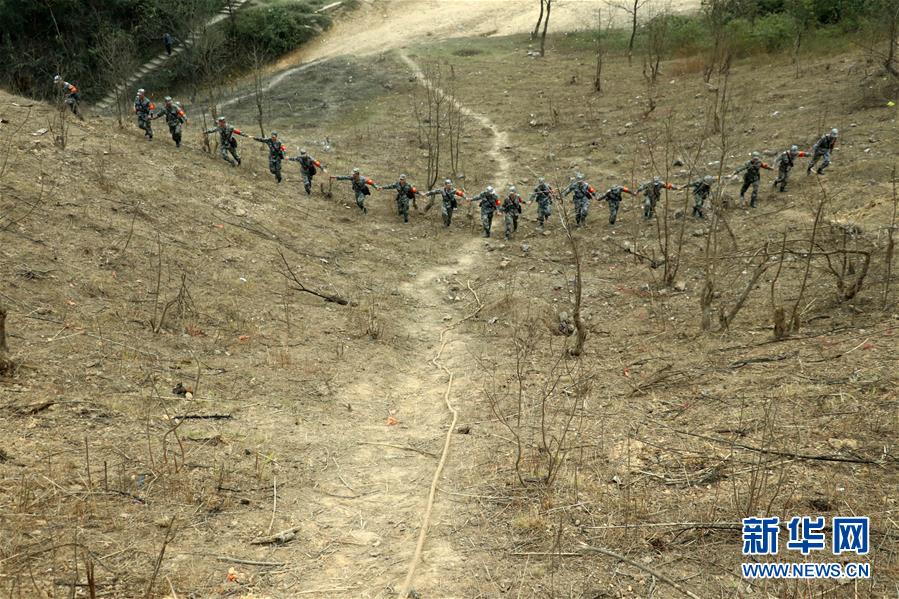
(405, 192)
(613, 198)
(702, 189)
(174, 118)
(489, 202)
(308, 166)
(360, 187)
(276, 153)
(583, 193)
(70, 94)
(543, 194)
(448, 194)
(822, 149)
(511, 209)
(751, 177)
(784, 163)
(227, 143)
(652, 192)
(144, 108)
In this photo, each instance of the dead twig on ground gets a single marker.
(290, 275)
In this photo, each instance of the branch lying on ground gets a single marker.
(289, 275)
(786, 454)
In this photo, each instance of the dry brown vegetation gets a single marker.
(303, 456)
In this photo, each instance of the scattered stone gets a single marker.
(680, 286)
(525, 248)
(678, 162)
(698, 232)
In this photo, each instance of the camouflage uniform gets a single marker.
(275, 155)
(751, 177)
(404, 194)
(175, 119)
(448, 194)
(71, 96)
(360, 188)
(511, 209)
(583, 193)
(308, 166)
(613, 199)
(227, 143)
(652, 192)
(702, 189)
(144, 108)
(489, 202)
(822, 149)
(784, 163)
(543, 194)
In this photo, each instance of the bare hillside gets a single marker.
(302, 461)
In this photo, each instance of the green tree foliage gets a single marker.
(43, 38)
(278, 27)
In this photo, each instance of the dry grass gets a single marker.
(94, 465)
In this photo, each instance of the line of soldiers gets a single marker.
(488, 200)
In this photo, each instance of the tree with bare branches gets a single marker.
(631, 8)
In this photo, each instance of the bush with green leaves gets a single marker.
(278, 28)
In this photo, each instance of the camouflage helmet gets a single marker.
(355, 171)
(303, 152)
(755, 155)
(221, 119)
(57, 79)
(141, 91)
(168, 98)
(708, 179)
(448, 182)
(656, 179)
(512, 189)
(402, 177)
(274, 134)
(541, 180)
(834, 132)
(794, 149)
(489, 189)
(579, 176)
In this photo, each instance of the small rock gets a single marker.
(680, 286)
(525, 248)
(698, 232)
(677, 162)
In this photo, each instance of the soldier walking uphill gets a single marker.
(543, 194)
(652, 192)
(144, 108)
(70, 94)
(822, 149)
(784, 163)
(405, 192)
(360, 187)
(276, 153)
(511, 209)
(613, 199)
(702, 189)
(489, 202)
(583, 193)
(448, 194)
(308, 166)
(227, 143)
(174, 118)
(751, 176)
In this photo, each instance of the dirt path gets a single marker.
(383, 25)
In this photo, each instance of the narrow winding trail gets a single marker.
(396, 502)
